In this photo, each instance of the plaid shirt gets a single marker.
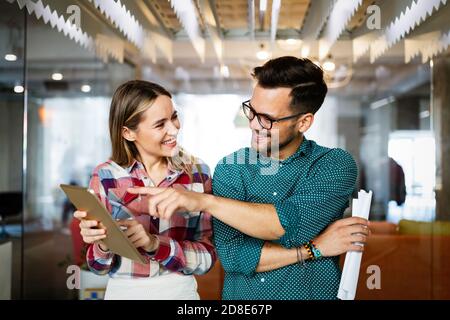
(185, 240)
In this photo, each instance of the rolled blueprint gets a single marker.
(350, 274)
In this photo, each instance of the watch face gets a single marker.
(317, 253)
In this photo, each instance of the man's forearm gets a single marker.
(253, 219)
(274, 256)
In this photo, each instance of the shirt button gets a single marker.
(281, 165)
(262, 279)
(275, 193)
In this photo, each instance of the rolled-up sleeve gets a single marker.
(319, 201)
(237, 252)
(195, 254)
(98, 261)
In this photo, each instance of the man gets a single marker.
(272, 199)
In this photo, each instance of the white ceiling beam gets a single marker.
(404, 24)
(186, 13)
(316, 18)
(428, 45)
(276, 5)
(122, 18)
(144, 39)
(213, 6)
(251, 19)
(343, 11)
(57, 21)
(207, 8)
(313, 23)
(262, 13)
(157, 17)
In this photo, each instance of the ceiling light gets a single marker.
(263, 54)
(328, 65)
(424, 114)
(19, 89)
(10, 57)
(57, 76)
(290, 44)
(225, 71)
(381, 103)
(291, 41)
(86, 88)
(305, 51)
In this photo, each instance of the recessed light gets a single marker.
(10, 57)
(19, 89)
(329, 66)
(263, 54)
(86, 88)
(291, 41)
(57, 76)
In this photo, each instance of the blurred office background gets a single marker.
(388, 69)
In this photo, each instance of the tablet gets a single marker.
(116, 240)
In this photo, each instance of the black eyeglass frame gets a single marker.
(246, 104)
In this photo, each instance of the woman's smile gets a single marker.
(171, 143)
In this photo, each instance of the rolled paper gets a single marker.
(352, 264)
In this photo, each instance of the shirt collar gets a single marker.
(303, 150)
(172, 173)
(134, 165)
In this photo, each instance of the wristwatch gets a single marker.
(316, 252)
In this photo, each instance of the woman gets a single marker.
(143, 128)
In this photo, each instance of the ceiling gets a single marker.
(242, 29)
(233, 16)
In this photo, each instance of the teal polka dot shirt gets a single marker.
(309, 190)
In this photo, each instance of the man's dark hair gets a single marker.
(302, 75)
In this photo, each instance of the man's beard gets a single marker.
(274, 146)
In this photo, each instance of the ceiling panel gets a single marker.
(233, 14)
(167, 14)
(292, 13)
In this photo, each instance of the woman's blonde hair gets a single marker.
(128, 105)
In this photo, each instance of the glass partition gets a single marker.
(69, 94)
(12, 97)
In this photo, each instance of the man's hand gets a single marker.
(139, 236)
(164, 202)
(341, 236)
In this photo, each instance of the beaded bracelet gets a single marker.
(300, 257)
(307, 246)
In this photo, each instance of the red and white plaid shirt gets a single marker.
(185, 240)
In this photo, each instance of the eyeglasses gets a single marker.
(264, 120)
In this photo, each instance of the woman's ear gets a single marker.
(128, 134)
(305, 122)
